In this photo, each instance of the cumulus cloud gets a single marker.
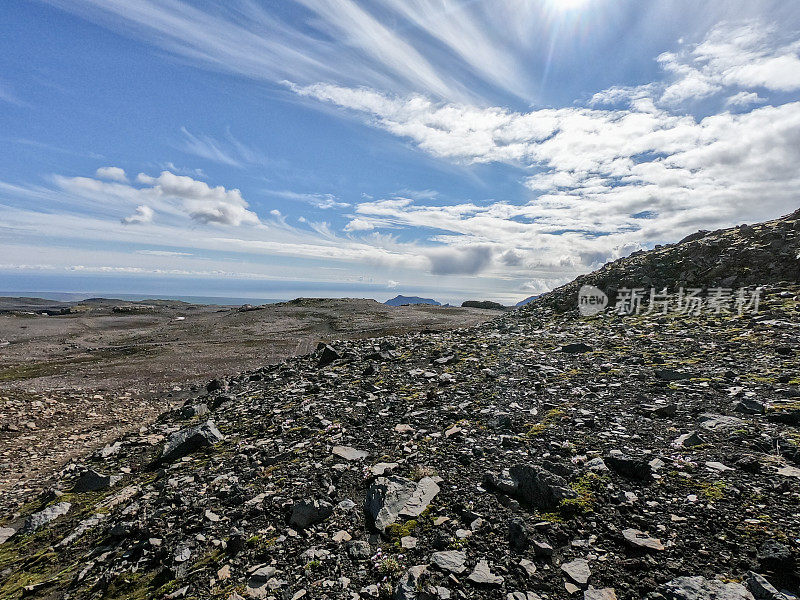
(460, 261)
(112, 174)
(202, 202)
(745, 99)
(359, 224)
(143, 214)
(745, 56)
(169, 194)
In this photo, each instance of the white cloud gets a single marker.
(745, 56)
(202, 202)
(359, 224)
(169, 194)
(143, 214)
(112, 174)
(392, 284)
(623, 94)
(745, 99)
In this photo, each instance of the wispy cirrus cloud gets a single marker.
(255, 42)
(321, 201)
(227, 150)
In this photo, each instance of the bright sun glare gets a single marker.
(568, 4)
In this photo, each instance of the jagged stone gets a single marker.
(327, 355)
(532, 485)
(575, 348)
(408, 588)
(190, 439)
(309, 512)
(749, 406)
(634, 468)
(577, 570)
(518, 534)
(687, 440)
(761, 588)
(599, 594)
(45, 516)
(450, 560)
(661, 410)
(775, 556)
(358, 549)
(390, 498)
(92, 481)
(348, 453)
(671, 375)
(482, 575)
(6, 533)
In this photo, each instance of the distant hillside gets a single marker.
(401, 300)
(485, 304)
(526, 301)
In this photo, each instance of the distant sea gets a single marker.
(77, 297)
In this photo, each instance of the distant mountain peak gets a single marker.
(400, 300)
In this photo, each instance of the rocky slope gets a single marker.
(539, 455)
(96, 369)
(747, 255)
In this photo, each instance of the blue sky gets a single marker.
(453, 149)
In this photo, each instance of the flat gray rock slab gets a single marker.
(349, 453)
(482, 575)
(639, 539)
(450, 560)
(43, 517)
(700, 588)
(577, 570)
(407, 587)
(425, 491)
(390, 498)
(713, 421)
(600, 594)
(6, 533)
